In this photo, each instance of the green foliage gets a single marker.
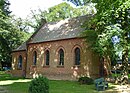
(5, 76)
(11, 35)
(85, 80)
(39, 85)
(79, 2)
(4, 6)
(10, 38)
(111, 20)
(56, 13)
(20, 24)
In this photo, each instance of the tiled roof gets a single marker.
(21, 47)
(64, 29)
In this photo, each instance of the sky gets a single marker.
(21, 8)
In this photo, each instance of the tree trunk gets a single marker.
(124, 74)
(124, 68)
(107, 65)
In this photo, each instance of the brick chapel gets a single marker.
(57, 51)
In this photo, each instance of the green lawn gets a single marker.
(20, 85)
(55, 87)
(4, 76)
(70, 87)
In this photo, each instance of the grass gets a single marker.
(70, 87)
(4, 76)
(55, 87)
(20, 85)
(118, 75)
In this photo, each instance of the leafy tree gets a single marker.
(11, 36)
(4, 6)
(110, 27)
(20, 24)
(80, 2)
(56, 13)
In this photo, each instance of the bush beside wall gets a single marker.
(39, 84)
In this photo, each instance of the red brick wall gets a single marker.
(89, 62)
(15, 56)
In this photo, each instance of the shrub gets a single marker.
(39, 85)
(85, 80)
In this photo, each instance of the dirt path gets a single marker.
(118, 89)
(3, 89)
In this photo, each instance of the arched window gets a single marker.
(77, 56)
(34, 58)
(20, 62)
(47, 57)
(61, 57)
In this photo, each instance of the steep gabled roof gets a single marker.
(22, 47)
(64, 29)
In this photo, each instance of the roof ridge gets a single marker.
(59, 30)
